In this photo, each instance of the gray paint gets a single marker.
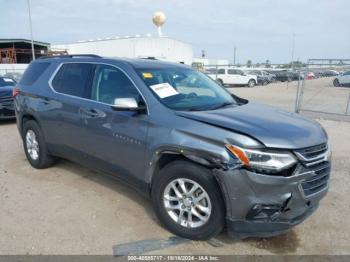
(130, 144)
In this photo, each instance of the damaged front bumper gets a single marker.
(260, 205)
(7, 109)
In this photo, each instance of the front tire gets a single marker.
(336, 83)
(187, 200)
(251, 83)
(220, 82)
(35, 147)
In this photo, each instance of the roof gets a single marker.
(22, 40)
(135, 62)
(149, 63)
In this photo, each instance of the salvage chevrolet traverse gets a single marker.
(206, 158)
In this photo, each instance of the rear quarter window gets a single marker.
(73, 79)
(33, 72)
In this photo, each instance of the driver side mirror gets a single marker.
(127, 104)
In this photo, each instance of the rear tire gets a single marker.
(35, 146)
(180, 215)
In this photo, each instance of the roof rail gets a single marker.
(149, 57)
(71, 56)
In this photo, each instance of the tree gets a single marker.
(267, 64)
(249, 63)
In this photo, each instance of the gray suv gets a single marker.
(206, 158)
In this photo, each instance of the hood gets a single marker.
(6, 90)
(273, 127)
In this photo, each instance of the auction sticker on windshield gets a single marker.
(164, 90)
(8, 80)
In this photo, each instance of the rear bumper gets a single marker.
(261, 205)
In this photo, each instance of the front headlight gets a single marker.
(263, 160)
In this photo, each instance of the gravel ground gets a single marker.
(68, 209)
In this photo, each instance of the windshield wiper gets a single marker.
(206, 108)
(222, 105)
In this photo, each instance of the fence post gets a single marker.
(347, 106)
(297, 96)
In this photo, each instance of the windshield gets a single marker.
(4, 81)
(185, 89)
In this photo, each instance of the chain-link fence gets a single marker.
(325, 89)
(14, 71)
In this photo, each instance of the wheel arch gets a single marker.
(26, 117)
(166, 155)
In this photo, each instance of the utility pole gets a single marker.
(293, 45)
(234, 55)
(31, 30)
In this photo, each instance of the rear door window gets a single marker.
(232, 72)
(221, 71)
(73, 79)
(33, 72)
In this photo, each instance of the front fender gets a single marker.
(194, 147)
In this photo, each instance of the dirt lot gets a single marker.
(68, 209)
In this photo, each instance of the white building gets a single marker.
(162, 48)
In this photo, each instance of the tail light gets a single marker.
(15, 92)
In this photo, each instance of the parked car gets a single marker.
(235, 77)
(261, 79)
(328, 73)
(287, 75)
(310, 75)
(342, 80)
(271, 77)
(317, 74)
(6, 100)
(283, 75)
(206, 158)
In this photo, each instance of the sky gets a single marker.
(260, 29)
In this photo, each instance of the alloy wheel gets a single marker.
(32, 145)
(187, 203)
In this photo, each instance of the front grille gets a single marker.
(319, 181)
(312, 153)
(6, 102)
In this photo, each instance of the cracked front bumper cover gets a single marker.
(240, 229)
(263, 205)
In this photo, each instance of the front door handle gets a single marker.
(91, 112)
